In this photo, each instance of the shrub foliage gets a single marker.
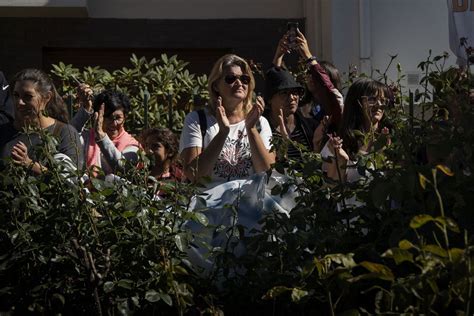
(405, 246)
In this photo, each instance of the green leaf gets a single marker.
(298, 294)
(445, 170)
(128, 214)
(381, 271)
(166, 298)
(201, 218)
(437, 250)
(449, 223)
(109, 286)
(59, 298)
(399, 255)
(275, 291)
(423, 181)
(125, 283)
(420, 220)
(405, 244)
(152, 296)
(456, 254)
(181, 241)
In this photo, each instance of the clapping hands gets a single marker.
(254, 115)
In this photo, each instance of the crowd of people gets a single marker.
(229, 139)
(227, 146)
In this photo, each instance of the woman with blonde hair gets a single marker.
(230, 139)
(230, 143)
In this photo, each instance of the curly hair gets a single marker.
(165, 136)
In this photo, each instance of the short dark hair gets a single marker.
(113, 101)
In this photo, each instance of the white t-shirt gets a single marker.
(234, 161)
(461, 24)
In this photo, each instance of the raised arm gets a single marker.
(114, 157)
(281, 50)
(85, 112)
(327, 94)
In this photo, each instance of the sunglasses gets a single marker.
(230, 79)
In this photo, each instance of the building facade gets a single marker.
(36, 33)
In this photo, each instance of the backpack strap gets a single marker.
(202, 123)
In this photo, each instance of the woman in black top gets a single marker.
(38, 108)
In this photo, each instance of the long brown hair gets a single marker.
(44, 84)
(355, 117)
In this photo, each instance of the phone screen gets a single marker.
(292, 27)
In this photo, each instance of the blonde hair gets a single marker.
(217, 71)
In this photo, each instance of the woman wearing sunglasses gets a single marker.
(323, 83)
(364, 108)
(236, 142)
(230, 144)
(107, 145)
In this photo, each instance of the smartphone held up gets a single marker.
(292, 34)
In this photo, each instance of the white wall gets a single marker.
(408, 28)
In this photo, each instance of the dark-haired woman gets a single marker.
(38, 108)
(323, 83)
(364, 108)
(107, 145)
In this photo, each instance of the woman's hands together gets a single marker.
(254, 115)
(20, 155)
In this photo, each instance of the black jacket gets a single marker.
(6, 102)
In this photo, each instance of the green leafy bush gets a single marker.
(162, 86)
(407, 247)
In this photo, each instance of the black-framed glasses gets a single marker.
(295, 91)
(115, 118)
(230, 79)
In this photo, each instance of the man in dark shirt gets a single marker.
(6, 103)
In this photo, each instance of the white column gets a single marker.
(365, 36)
(318, 15)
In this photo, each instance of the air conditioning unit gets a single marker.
(413, 79)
